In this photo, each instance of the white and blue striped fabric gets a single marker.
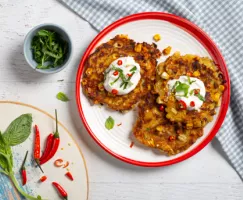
(222, 20)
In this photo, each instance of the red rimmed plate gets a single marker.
(183, 36)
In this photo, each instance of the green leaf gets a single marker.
(133, 69)
(62, 97)
(44, 33)
(200, 97)
(182, 87)
(5, 149)
(19, 130)
(109, 123)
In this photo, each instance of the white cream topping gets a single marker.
(122, 78)
(192, 96)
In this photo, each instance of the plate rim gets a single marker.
(201, 37)
(60, 124)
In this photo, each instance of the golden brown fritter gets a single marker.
(154, 130)
(194, 66)
(120, 46)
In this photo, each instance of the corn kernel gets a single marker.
(84, 81)
(138, 48)
(167, 50)
(159, 101)
(182, 137)
(157, 37)
(159, 128)
(216, 97)
(221, 88)
(165, 75)
(173, 110)
(196, 73)
(89, 71)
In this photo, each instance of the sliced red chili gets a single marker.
(171, 138)
(161, 108)
(43, 179)
(70, 176)
(115, 73)
(129, 75)
(196, 91)
(66, 165)
(131, 145)
(119, 62)
(58, 163)
(182, 105)
(192, 103)
(114, 91)
(189, 74)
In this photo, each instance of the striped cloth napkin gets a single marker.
(222, 20)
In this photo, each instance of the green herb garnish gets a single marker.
(133, 69)
(189, 80)
(182, 87)
(16, 133)
(200, 97)
(109, 123)
(49, 50)
(62, 97)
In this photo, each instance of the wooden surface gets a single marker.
(206, 176)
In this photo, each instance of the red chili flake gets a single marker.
(171, 138)
(115, 73)
(131, 145)
(114, 91)
(161, 108)
(192, 103)
(119, 62)
(182, 105)
(119, 124)
(196, 91)
(189, 74)
(129, 75)
(43, 179)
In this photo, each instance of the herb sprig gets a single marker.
(49, 50)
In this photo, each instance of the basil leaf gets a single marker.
(19, 130)
(109, 123)
(62, 97)
(200, 97)
(5, 149)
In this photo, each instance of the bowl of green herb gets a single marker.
(47, 48)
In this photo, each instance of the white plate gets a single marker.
(183, 36)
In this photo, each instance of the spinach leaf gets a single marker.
(19, 130)
(109, 123)
(62, 97)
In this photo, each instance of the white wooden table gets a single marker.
(206, 176)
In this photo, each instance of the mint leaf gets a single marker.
(109, 123)
(19, 130)
(62, 97)
(5, 149)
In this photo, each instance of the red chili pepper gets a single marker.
(23, 170)
(55, 145)
(182, 105)
(115, 73)
(69, 175)
(161, 108)
(119, 62)
(37, 147)
(192, 103)
(196, 91)
(60, 189)
(114, 91)
(43, 179)
(49, 144)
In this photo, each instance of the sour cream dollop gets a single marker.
(122, 76)
(188, 89)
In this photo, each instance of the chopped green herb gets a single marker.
(109, 123)
(200, 97)
(189, 80)
(49, 50)
(62, 97)
(191, 92)
(182, 87)
(133, 69)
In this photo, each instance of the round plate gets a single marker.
(68, 151)
(183, 36)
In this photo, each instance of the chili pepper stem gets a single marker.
(38, 164)
(24, 161)
(56, 123)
